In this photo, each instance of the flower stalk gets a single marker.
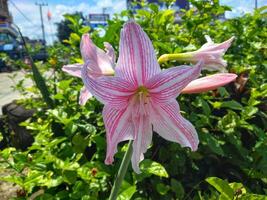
(178, 56)
(121, 173)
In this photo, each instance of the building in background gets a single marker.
(4, 13)
(9, 42)
(97, 19)
(6, 20)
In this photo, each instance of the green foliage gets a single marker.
(66, 160)
(72, 22)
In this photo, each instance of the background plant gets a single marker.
(66, 160)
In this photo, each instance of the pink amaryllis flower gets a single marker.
(141, 98)
(101, 63)
(211, 54)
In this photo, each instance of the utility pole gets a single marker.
(256, 4)
(41, 14)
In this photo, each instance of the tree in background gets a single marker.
(64, 28)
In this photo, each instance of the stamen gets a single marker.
(143, 99)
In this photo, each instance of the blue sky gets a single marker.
(31, 27)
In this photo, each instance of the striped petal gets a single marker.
(108, 90)
(169, 83)
(84, 96)
(207, 83)
(90, 52)
(211, 46)
(110, 52)
(212, 54)
(137, 61)
(142, 139)
(169, 124)
(119, 127)
(74, 69)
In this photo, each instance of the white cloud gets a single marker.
(33, 29)
(240, 7)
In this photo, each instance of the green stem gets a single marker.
(177, 56)
(121, 173)
(37, 77)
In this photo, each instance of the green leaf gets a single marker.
(85, 29)
(249, 111)
(152, 167)
(177, 187)
(100, 141)
(65, 84)
(69, 176)
(80, 143)
(7, 152)
(74, 37)
(59, 96)
(154, 7)
(162, 189)
(213, 144)
(253, 197)
(232, 105)
(205, 107)
(222, 187)
(127, 193)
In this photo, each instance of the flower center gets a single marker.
(141, 100)
(142, 90)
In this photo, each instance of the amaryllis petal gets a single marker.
(168, 83)
(137, 60)
(119, 128)
(211, 53)
(74, 69)
(211, 46)
(209, 83)
(142, 139)
(97, 62)
(84, 96)
(110, 52)
(169, 124)
(90, 52)
(108, 90)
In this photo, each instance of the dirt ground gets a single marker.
(7, 94)
(7, 190)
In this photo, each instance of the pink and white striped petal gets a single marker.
(169, 83)
(211, 46)
(208, 83)
(119, 127)
(142, 139)
(137, 61)
(84, 96)
(212, 54)
(110, 52)
(73, 69)
(108, 90)
(169, 124)
(90, 52)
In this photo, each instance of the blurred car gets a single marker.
(10, 45)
